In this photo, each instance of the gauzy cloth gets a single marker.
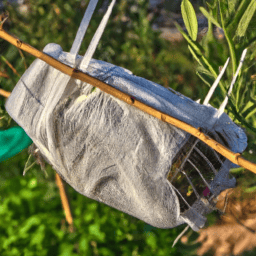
(110, 151)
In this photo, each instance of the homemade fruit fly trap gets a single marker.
(165, 172)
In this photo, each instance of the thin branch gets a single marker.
(10, 66)
(3, 75)
(4, 93)
(180, 235)
(23, 58)
(76, 74)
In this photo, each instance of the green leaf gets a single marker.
(205, 75)
(232, 6)
(241, 119)
(231, 27)
(224, 7)
(213, 5)
(209, 17)
(228, 38)
(203, 70)
(246, 18)
(31, 221)
(202, 78)
(94, 230)
(151, 240)
(250, 112)
(196, 47)
(237, 170)
(194, 55)
(250, 190)
(38, 236)
(66, 249)
(189, 17)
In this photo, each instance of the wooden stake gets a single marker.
(64, 201)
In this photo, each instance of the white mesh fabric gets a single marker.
(106, 149)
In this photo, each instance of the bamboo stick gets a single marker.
(76, 74)
(5, 93)
(64, 201)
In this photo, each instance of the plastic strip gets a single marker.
(96, 38)
(225, 102)
(83, 27)
(215, 84)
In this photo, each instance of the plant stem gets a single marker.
(230, 43)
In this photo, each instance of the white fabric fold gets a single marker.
(108, 150)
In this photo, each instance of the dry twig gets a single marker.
(235, 232)
(10, 66)
(3, 75)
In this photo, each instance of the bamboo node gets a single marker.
(199, 129)
(207, 138)
(163, 117)
(236, 155)
(19, 43)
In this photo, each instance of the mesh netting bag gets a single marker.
(108, 150)
(115, 153)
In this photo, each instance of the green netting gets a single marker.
(13, 141)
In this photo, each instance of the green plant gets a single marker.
(237, 27)
(237, 20)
